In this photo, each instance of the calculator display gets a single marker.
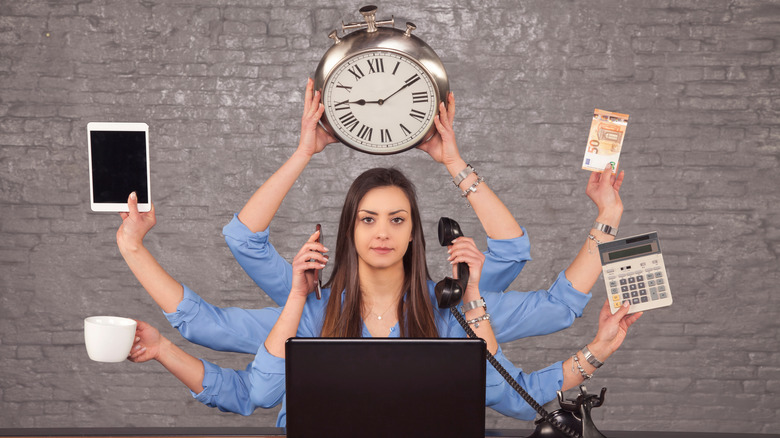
(630, 252)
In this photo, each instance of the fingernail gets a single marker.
(137, 338)
(133, 196)
(626, 304)
(322, 265)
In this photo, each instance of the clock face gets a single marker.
(380, 102)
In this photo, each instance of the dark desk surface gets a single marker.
(258, 432)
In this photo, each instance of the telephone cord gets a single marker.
(513, 383)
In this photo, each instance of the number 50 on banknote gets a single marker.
(605, 140)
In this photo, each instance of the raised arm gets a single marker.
(304, 265)
(160, 285)
(262, 206)
(495, 217)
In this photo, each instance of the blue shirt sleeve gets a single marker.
(259, 259)
(516, 315)
(504, 260)
(541, 385)
(224, 329)
(261, 385)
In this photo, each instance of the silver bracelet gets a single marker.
(593, 238)
(585, 375)
(591, 358)
(604, 228)
(475, 321)
(473, 305)
(473, 187)
(457, 179)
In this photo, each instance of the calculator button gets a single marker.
(640, 278)
(640, 285)
(653, 290)
(635, 301)
(614, 290)
(644, 299)
(653, 295)
(631, 287)
(623, 281)
(660, 281)
(612, 283)
(610, 271)
(634, 294)
(663, 295)
(651, 282)
(643, 292)
(659, 274)
(617, 304)
(632, 280)
(626, 296)
(615, 297)
(661, 288)
(624, 288)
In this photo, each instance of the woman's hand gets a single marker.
(464, 250)
(314, 137)
(135, 225)
(147, 343)
(305, 265)
(612, 330)
(603, 188)
(442, 146)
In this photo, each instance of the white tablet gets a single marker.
(118, 165)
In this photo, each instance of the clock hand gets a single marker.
(381, 101)
(360, 102)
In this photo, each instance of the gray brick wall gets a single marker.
(220, 84)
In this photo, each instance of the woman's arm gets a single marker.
(604, 189)
(149, 344)
(495, 217)
(304, 267)
(161, 286)
(262, 206)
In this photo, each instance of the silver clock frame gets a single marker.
(371, 37)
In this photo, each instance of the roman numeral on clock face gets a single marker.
(419, 97)
(376, 65)
(349, 121)
(405, 130)
(357, 72)
(412, 80)
(419, 115)
(386, 135)
(339, 85)
(341, 106)
(365, 132)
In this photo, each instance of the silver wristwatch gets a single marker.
(604, 228)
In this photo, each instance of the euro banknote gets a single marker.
(605, 140)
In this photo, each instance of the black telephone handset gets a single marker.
(552, 425)
(450, 290)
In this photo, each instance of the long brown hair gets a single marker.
(415, 313)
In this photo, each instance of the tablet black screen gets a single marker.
(118, 166)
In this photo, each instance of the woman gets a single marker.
(247, 236)
(378, 261)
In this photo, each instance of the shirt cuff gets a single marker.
(515, 249)
(186, 310)
(211, 380)
(236, 230)
(563, 290)
(267, 363)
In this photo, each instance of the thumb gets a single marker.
(132, 205)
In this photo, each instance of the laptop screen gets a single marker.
(385, 387)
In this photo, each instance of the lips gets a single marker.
(382, 250)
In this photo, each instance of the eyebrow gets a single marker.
(376, 214)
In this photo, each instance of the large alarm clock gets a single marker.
(381, 86)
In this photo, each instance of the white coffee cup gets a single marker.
(108, 338)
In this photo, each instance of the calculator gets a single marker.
(634, 271)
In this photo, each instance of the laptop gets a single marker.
(385, 387)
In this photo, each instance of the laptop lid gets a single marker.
(385, 387)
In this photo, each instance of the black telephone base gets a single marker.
(575, 414)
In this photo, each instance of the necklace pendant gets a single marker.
(378, 317)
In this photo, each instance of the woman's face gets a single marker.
(383, 228)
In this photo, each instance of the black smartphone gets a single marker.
(318, 291)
